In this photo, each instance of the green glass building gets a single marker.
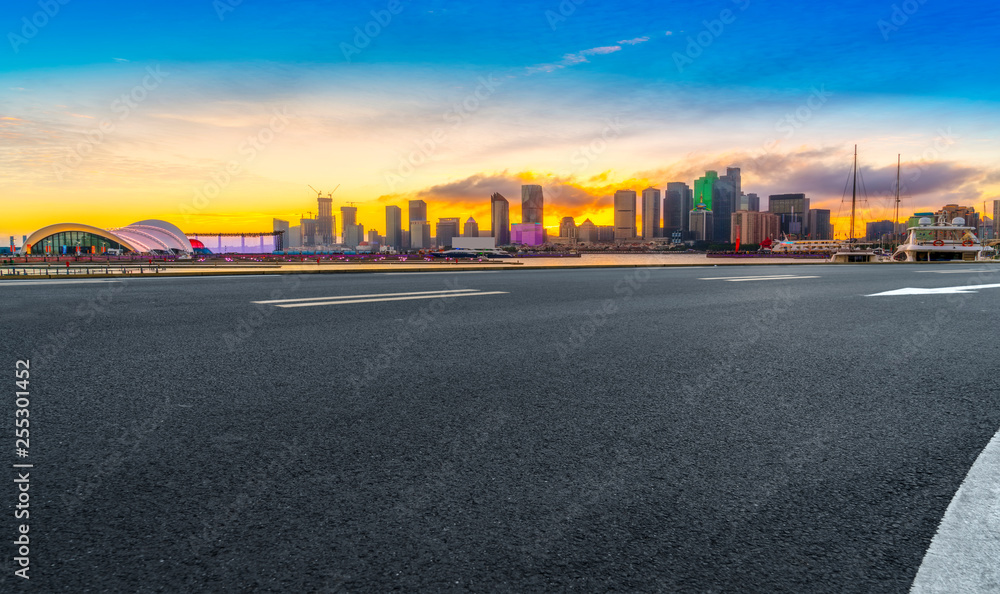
(704, 187)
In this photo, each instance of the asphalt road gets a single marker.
(615, 429)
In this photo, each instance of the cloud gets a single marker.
(635, 41)
(670, 33)
(573, 59)
(120, 60)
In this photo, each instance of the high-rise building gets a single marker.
(704, 188)
(753, 202)
(753, 227)
(280, 240)
(677, 203)
(701, 223)
(879, 230)
(587, 233)
(818, 224)
(531, 234)
(500, 219)
(349, 215)
(625, 215)
(471, 228)
(996, 218)
(308, 230)
(325, 226)
(567, 227)
(417, 211)
(725, 201)
(651, 225)
(353, 235)
(447, 230)
(606, 233)
(792, 210)
(420, 235)
(532, 205)
(394, 226)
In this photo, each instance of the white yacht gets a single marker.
(939, 241)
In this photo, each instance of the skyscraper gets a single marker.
(471, 228)
(532, 204)
(725, 201)
(394, 226)
(420, 235)
(587, 232)
(701, 223)
(792, 210)
(819, 224)
(308, 230)
(349, 214)
(500, 219)
(996, 218)
(624, 215)
(651, 214)
(325, 228)
(567, 227)
(676, 205)
(417, 211)
(447, 230)
(704, 188)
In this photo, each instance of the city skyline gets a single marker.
(106, 120)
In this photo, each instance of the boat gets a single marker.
(941, 241)
(851, 252)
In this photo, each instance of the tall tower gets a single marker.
(624, 215)
(651, 214)
(704, 188)
(532, 205)
(500, 219)
(324, 221)
(418, 211)
(394, 226)
(676, 205)
(471, 228)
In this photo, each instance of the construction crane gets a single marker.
(318, 193)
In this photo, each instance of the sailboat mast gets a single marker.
(895, 221)
(854, 193)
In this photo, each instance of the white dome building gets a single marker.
(150, 236)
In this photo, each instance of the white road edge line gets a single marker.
(754, 276)
(963, 554)
(736, 279)
(338, 297)
(935, 290)
(312, 304)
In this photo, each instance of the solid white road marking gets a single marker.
(963, 554)
(55, 282)
(335, 298)
(740, 279)
(953, 271)
(350, 301)
(453, 272)
(937, 291)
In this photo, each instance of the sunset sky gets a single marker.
(217, 116)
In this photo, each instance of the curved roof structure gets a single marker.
(64, 227)
(141, 237)
(155, 235)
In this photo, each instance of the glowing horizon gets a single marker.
(106, 121)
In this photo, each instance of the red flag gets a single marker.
(737, 239)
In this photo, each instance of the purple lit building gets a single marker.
(527, 234)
